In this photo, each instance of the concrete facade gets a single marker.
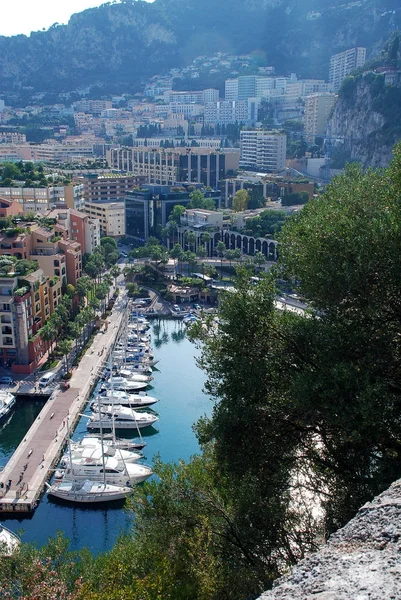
(263, 151)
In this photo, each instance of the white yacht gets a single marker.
(110, 440)
(81, 469)
(7, 401)
(9, 541)
(94, 452)
(120, 417)
(87, 492)
(141, 400)
(124, 384)
(131, 374)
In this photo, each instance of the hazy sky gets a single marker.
(24, 16)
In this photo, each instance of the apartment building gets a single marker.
(110, 214)
(317, 111)
(168, 166)
(12, 137)
(344, 63)
(78, 227)
(40, 200)
(263, 151)
(95, 107)
(194, 97)
(24, 308)
(225, 112)
(73, 259)
(114, 187)
(231, 89)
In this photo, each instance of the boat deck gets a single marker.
(23, 479)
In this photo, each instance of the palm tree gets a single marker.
(65, 346)
(221, 249)
(48, 333)
(130, 272)
(237, 253)
(84, 285)
(230, 255)
(259, 260)
(191, 240)
(205, 237)
(75, 331)
(115, 271)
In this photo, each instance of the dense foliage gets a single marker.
(267, 224)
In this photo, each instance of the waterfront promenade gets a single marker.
(23, 479)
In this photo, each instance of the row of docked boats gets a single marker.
(102, 467)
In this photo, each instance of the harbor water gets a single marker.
(178, 384)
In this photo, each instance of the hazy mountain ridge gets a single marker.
(118, 45)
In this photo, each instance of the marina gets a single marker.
(182, 402)
(22, 481)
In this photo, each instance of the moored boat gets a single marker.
(119, 397)
(7, 402)
(88, 492)
(9, 541)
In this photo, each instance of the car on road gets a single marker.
(6, 381)
(47, 379)
(197, 307)
(176, 308)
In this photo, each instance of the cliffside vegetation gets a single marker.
(307, 415)
(116, 47)
(368, 110)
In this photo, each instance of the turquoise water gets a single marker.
(178, 384)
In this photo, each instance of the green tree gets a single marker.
(197, 199)
(240, 201)
(115, 271)
(104, 241)
(176, 214)
(230, 255)
(64, 346)
(259, 259)
(221, 249)
(84, 285)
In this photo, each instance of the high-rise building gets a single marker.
(246, 87)
(231, 89)
(262, 150)
(226, 111)
(317, 112)
(344, 63)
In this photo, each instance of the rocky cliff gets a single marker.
(362, 561)
(368, 115)
(117, 45)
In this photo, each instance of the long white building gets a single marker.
(263, 151)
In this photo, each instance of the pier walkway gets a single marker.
(23, 479)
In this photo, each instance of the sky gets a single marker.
(24, 16)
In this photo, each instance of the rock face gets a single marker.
(362, 561)
(364, 115)
(117, 45)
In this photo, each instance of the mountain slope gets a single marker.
(118, 45)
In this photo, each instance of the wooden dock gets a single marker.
(23, 479)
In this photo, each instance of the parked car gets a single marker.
(197, 307)
(6, 380)
(47, 379)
